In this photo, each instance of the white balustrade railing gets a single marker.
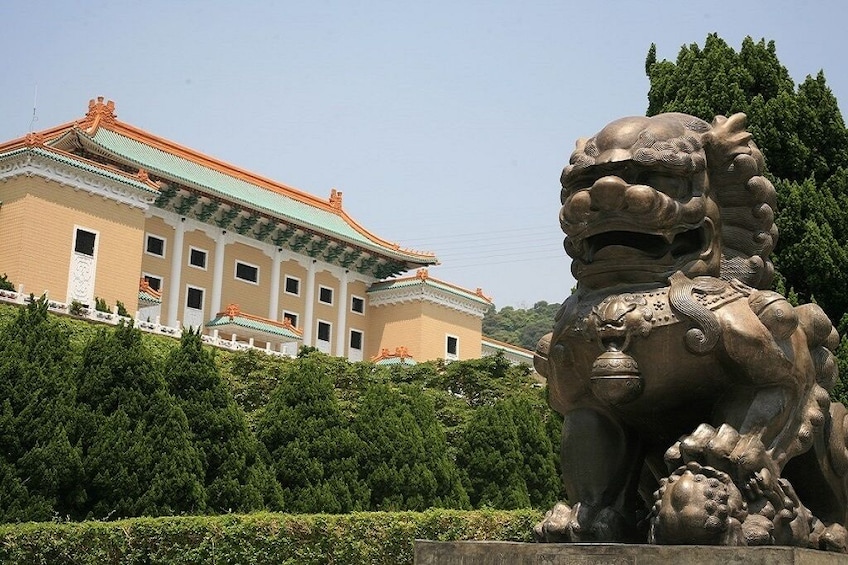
(112, 318)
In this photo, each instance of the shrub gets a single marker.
(77, 308)
(360, 537)
(100, 305)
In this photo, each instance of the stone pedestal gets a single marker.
(512, 553)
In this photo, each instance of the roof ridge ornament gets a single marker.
(335, 199)
(479, 292)
(401, 353)
(34, 139)
(99, 113)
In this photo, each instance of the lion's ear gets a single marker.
(718, 120)
(580, 144)
(729, 132)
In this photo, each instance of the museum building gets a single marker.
(98, 208)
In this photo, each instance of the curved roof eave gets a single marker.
(185, 166)
(422, 279)
(81, 163)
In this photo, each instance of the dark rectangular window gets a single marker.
(453, 345)
(292, 285)
(247, 272)
(197, 258)
(323, 331)
(325, 295)
(84, 243)
(357, 304)
(355, 339)
(155, 246)
(194, 298)
(154, 282)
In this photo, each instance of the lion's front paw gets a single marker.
(579, 523)
(830, 538)
(554, 527)
(723, 448)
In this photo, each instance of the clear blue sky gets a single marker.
(445, 124)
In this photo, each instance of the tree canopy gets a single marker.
(805, 142)
(520, 326)
(108, 423)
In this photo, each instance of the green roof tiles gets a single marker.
(396, 361)
(74, 161)
(425, 281)
(225, 320)
(252, 196)
(148, 298)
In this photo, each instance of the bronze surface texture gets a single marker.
(695, 400)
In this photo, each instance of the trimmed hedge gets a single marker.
(357, 538)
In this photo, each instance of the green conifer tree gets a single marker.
(40, 461)
(315, 454)
(490, 458)
(405, 456)
(538, 457)
(236, 476)
(138, 453)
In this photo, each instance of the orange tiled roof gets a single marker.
(400, 356)
(101, 115)
(233, 311)
(422, 276)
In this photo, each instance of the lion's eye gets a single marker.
(672, 185)
(581, 181)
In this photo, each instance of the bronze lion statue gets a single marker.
(695, 401)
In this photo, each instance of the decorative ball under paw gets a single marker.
(698, 505)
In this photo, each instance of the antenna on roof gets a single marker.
(34, 106)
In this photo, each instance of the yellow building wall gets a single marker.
(422, 327)
(158, 266)
(13, 222)
(251, 298)
(195, 276)
(437, 322)
(325, 312)
(37, 254)
(290, 302)
(39, 217)
(355, 320)
(392, 326)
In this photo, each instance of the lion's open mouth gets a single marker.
(613, 244)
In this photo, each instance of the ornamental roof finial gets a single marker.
(33, 139)
(422, 274)
(233, 310)
(335, 199)
(99, 113)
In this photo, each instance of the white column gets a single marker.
(310, 304)
(176, 273)
(218, 273)
(341, 323)
(274, 303)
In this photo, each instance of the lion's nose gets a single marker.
(608, 193)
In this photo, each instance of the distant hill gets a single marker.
(519, 326)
